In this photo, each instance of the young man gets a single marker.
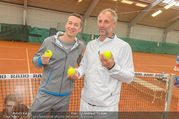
(55, 89)
(103, 77)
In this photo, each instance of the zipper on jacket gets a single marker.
(63, 74)
(64, 68)
(61, 47)
(49, 78)
(78, 53)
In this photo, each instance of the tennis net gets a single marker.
(147, 92)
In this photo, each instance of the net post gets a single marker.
(178, 107)
(168, 96)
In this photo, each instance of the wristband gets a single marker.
(39, 61)
(112, 66)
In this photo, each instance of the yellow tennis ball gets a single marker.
(71, 71)
(107, 54)
(48, 53)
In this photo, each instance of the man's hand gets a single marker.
(73, 76)
(108, 63)
(45, 59)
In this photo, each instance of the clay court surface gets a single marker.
(16, 58)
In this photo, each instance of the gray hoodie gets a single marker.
(54, 78)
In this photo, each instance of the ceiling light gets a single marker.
(127, 2)
(170, 5)
(140, 5)
(177, 4)
(80, 0)
(156, 13)
(168, 1)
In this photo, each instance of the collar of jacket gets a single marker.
(108, 39)
(59, 43)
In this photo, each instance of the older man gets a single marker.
(103, 77)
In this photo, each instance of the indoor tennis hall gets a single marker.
(17, 60)
(150, 27)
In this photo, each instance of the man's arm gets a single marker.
(123, 72)
(37, 59)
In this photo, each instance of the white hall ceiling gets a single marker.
(132, 14)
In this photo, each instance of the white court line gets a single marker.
(10, 59)
(28, 66)
(30, 81)
(11, 47)
(147, 68)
